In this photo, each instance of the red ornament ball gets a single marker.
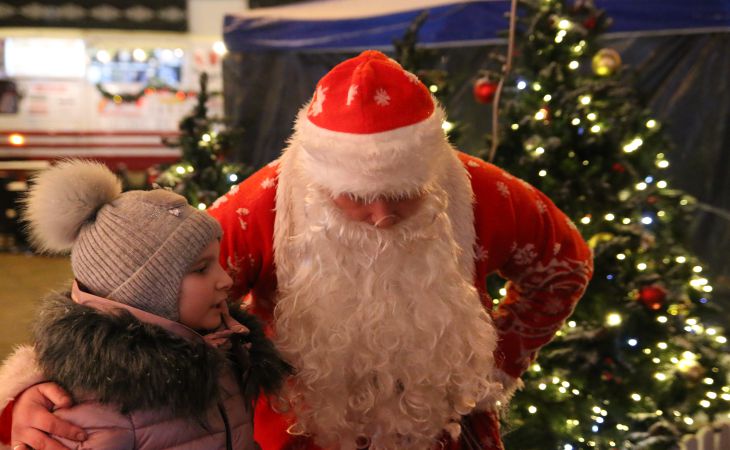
(618, 167)
(484, 90)
(590, 23)
(653, 296)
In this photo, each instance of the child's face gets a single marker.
(204, 291)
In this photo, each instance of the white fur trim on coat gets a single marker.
(18, 373)
(393, 162)
(510, 385)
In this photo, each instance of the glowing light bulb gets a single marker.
(220, 48)
(201, 206)
(595, 128)
(585, 99)
(613, 320)
(573, 65)
(651, 123)
(180, 170)
(16, 139)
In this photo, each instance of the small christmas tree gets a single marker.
(202, 175)
(638, 364)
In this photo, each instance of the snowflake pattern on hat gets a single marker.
(351, 93)
(316, 108)
(382, 98)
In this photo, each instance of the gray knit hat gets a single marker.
(133, 247)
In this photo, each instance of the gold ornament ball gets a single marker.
(606, 62)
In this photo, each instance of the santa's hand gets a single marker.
(33, 419)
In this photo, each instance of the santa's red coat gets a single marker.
(520, 234)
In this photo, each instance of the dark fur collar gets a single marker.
(116, 359)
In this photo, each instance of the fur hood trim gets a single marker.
(116, 359)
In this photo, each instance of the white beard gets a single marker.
(384, 326)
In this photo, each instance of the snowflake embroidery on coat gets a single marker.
(541, 206)
(556, 248)
(232, 267)
(503, 189)
(381, 97)
(241, 213)
(480, 253)
(472, 163)
(525, 255)
(268, 183)
(234, 189)
(219, 201)
(526, 184)
(351, 93)
(316, 108)
(412, 77)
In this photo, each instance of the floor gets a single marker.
(24, 280)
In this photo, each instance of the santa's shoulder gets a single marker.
(481, 171)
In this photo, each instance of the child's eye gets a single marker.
(201, 269)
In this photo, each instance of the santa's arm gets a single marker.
(18, 372)
(540, 252)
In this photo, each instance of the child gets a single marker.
(144, 341)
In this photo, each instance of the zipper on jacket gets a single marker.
(224, 416)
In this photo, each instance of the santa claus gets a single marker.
(366, 246)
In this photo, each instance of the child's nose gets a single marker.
(225, 282)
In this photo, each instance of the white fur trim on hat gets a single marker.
(63, 198)
(394, 162)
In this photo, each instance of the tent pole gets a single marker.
(505, 73)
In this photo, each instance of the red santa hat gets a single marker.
(371, 128)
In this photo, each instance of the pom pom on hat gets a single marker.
(63, 198)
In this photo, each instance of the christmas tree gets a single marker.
(202, 175)
(429, 66)
(640, 362)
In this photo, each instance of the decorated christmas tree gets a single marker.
(203, 174)
(641, 361)
(429, 66)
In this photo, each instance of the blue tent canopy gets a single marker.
(328, 25)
